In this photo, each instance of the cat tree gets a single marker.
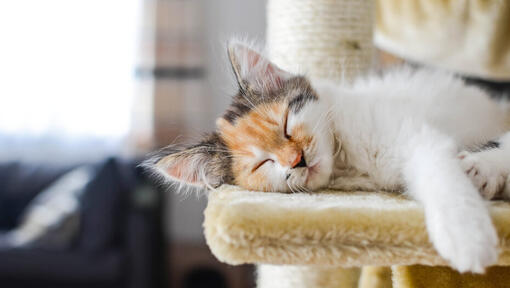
(321, 239)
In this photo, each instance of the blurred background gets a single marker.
(87, 89)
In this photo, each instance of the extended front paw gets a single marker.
(484, 174)
(467, 239)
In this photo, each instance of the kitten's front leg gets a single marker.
(457, 218)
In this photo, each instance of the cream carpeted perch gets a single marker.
(321, 231)
(330, 228)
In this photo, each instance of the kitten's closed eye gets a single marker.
(260, 164)
(285, 131)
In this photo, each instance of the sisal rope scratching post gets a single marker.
(322, 39)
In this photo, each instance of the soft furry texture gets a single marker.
(328, 229)
(470, 37)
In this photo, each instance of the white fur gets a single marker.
(405, 129)
(316, 119)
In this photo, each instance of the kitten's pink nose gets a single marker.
(299, 161)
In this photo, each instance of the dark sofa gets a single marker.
(119, 244)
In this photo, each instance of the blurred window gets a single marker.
(66, 74)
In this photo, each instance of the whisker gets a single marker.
(290, 187)
(302, 188)
(247, 99)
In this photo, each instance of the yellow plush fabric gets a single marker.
(466, 36)
(418, 276)
(347, 229)
(375, 277)
(276, 276)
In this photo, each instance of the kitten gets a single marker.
(403, 130)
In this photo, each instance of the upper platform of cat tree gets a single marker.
(326, 228)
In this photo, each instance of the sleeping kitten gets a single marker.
(404, 130)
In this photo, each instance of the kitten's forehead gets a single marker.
(259, 127)
(296, 91)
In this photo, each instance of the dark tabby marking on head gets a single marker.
(241, 104)
(305, 93)
(244, 102)
(297, 103)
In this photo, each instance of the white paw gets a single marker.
(465, 237)
(484, 174)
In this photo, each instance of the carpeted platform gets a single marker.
(331, 228)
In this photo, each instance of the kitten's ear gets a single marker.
(253, 71)
(206, 164)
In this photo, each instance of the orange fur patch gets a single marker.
(263, 128)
